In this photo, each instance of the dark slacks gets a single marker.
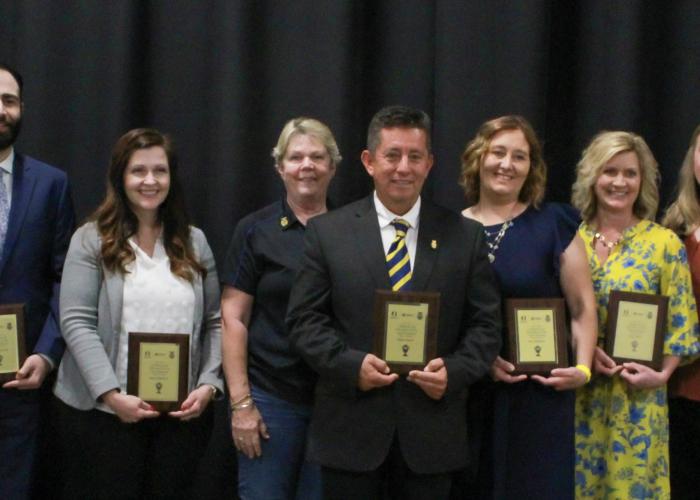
(684, 447)
(102, 457)
(393, 479)
(19, 428)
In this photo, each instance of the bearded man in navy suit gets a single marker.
(36, 222)
(370, 428)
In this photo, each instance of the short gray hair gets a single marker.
(306, 126)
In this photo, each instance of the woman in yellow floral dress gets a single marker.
(622, 415)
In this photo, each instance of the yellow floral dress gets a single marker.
(622, 433)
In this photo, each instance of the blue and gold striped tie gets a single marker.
(397, 260)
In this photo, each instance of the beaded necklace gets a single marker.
(598, 237)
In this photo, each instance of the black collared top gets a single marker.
(262, 260)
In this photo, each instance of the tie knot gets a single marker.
(401, 226)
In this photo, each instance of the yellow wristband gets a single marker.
(586, 371)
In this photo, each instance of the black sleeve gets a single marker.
(241, 267)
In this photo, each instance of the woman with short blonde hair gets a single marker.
(622, 416)
(271, 388)
(602, 148)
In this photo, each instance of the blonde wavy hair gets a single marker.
(474, 153)
(602, 148)
(683, 215)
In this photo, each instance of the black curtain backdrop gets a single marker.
(222, 77)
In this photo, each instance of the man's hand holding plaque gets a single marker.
(374, 373)
(12, 351)
(405, 335)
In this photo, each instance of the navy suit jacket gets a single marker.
(330, 321)
(40, 226)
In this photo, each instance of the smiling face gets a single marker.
(306, 169)
(617, 186)
(399, 166)
(147, 181)
(505, 166)
(10, 111)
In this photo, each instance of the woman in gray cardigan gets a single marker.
(137, 266)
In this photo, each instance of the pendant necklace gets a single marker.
(493, 246)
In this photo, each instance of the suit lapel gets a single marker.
(23, 182)
(429, 237)
(369, 242)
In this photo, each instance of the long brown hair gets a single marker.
(116, 222)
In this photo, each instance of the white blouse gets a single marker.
(154, 301)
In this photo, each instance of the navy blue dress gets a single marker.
(528, 434)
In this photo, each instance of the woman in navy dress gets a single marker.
(528, 435)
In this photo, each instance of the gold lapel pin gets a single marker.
(433, 244)
(284, 222)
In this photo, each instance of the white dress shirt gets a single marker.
(385, 217)
(154, 301)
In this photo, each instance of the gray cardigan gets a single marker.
(91, 312)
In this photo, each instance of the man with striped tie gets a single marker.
(372, 429)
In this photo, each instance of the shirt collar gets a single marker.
(287, 218)
(8, 162)
(159, 252)
(386, 216)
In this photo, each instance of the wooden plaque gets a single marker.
(537, 335)
(12, 341)
(405, 328)
(158, 368)
(636, 328)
